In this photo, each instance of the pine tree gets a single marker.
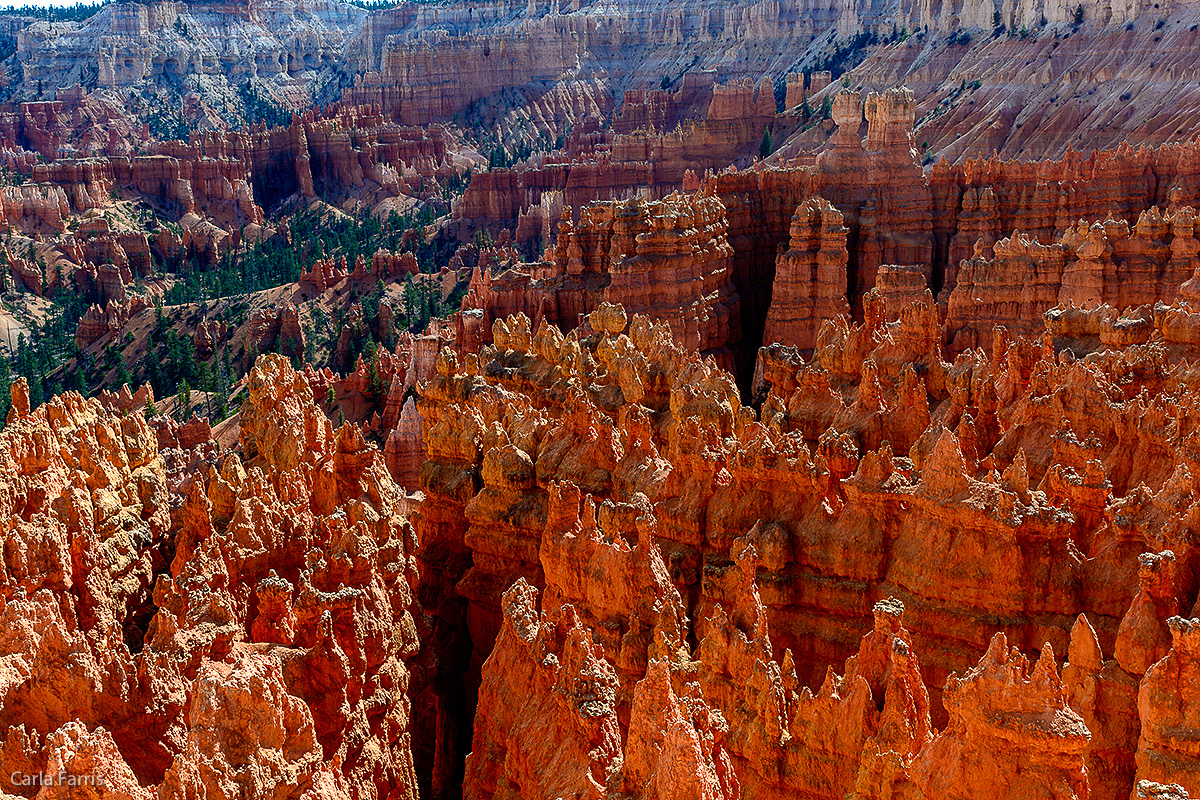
(154, 373)
(205, 381)
(764, 147)
(222, 379)
(185, 400)
(375, 381)
(37, 393)
(5, 389)
(123, 376)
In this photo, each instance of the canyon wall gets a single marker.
(201, 622)
(860, 16)
(995, 241)
(669, 258)
(1024, 80)
(218, 186)
(855, 473)
(688, 595)
(550, 52)
(537, 69)
(874, 470)
(130, 44)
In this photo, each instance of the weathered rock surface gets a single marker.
(649, 558)
(996, 241)
(1168, 748)
(620, 477)
(810, 278)
(1042, 89)
(183, 622)
(669, 259)
(689, 595)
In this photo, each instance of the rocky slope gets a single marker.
(598, 428)
(690, 596)
(188, 622)
(1044, 88)
(290, 49)
(684, 567)
(1022, 77)
(417, 63)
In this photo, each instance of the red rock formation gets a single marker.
(26, 273)
(656, 139)
(810, 278)
(405, 449)
(669, 259)
(894, 215)
(99, 322)
(217, 185)
(1106, 263)
(92, 759)
(1167, 749)
(564, 736)
(743, 726)
(125, 400)
(1143, 638)
(699, 564)
(1106, 698)
(324, 273)
(671, 262)
(876, 467)
(147, 675)
(796, 92)
(35, 208)
(1013, 458)
(1010, 727)
(61, 556)
(277, 329)
(209, 335)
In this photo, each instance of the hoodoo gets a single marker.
(527, 400)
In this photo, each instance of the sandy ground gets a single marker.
(17, 317)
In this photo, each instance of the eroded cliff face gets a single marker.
(995, 241)
(563, 63)
(934, 539)
(568, 61)
(291, 45)
(678, 555)
(1103, 267)
(670, 259)
(1042, 81)
(186, 622)
(226, 180)
(690, 596)
(1023, 80)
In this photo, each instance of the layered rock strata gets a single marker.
(191, 623)
(670, 259)
(1014, 463)
(1119, 222)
